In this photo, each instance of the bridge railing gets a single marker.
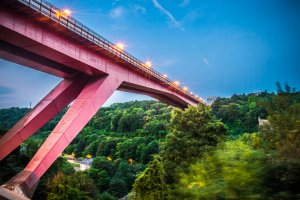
(55, 14)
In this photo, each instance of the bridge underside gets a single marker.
(89, 78)
(73, 59)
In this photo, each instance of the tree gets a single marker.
(60, 166)
(32, 145)
(117, 187)
(235, 170)
(240, 113)
(106, 196)
(193, 132)
(282, 142)
(103, 164)
(127, 173)
(100, 177)
(11, 165)
(129, 149)
(150, 184)
(151, 149)
(108, 147)
(128, 133)
(78, 186)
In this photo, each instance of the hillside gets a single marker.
(148, 150)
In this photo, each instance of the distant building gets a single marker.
(86, 164)
(256, 93)
(78, 163)
(259, 93)
(264, 124)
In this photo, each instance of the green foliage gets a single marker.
(103, 164)
(284, 110)
(281, 142)
(240, 113)
(11, 165)
(106, 196)
(150, 184)
(60, 166)
(2, 131)
(138, 149)
(233, 171)
(147, 152)
(117, 187)
(30, 147)
(77, 186)
(127, 172)
(193, 132)
(100, 177)
(9, 116)
(194, 162)
(108, 146)
(136, 140)
(131, 116)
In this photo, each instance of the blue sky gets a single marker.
(214, 47)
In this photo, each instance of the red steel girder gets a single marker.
(57, 99)
(89, 101)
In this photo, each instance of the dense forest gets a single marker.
(148, 150)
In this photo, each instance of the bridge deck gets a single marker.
(34, 35)
(97, 42)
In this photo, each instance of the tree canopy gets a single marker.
(148, 150)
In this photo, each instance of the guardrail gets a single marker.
(55, 14)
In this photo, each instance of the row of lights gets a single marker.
(120, 46)
(148, 64)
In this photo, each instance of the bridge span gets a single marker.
(35, 34)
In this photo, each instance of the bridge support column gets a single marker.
(61, 96)
(89, 101)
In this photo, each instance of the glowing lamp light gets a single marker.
(184, 88)
(148, 64)
(165, 75)
(57, 13)
(67, 12)
(176, 83)
(191, 93)
(109, 158)
(120, 46)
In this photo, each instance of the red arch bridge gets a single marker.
(38, 35)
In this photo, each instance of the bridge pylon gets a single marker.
(90, 99)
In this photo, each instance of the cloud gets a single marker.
(172, 19)
(184, 3)
(191, 16)
(140, 9)
(205, 61)
(117, 12)
(6, 90)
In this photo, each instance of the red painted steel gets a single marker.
(61, 96)
(65, 48)
(92, 70)
(89, 101)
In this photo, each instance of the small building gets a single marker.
(86, 163)
(264, 124)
